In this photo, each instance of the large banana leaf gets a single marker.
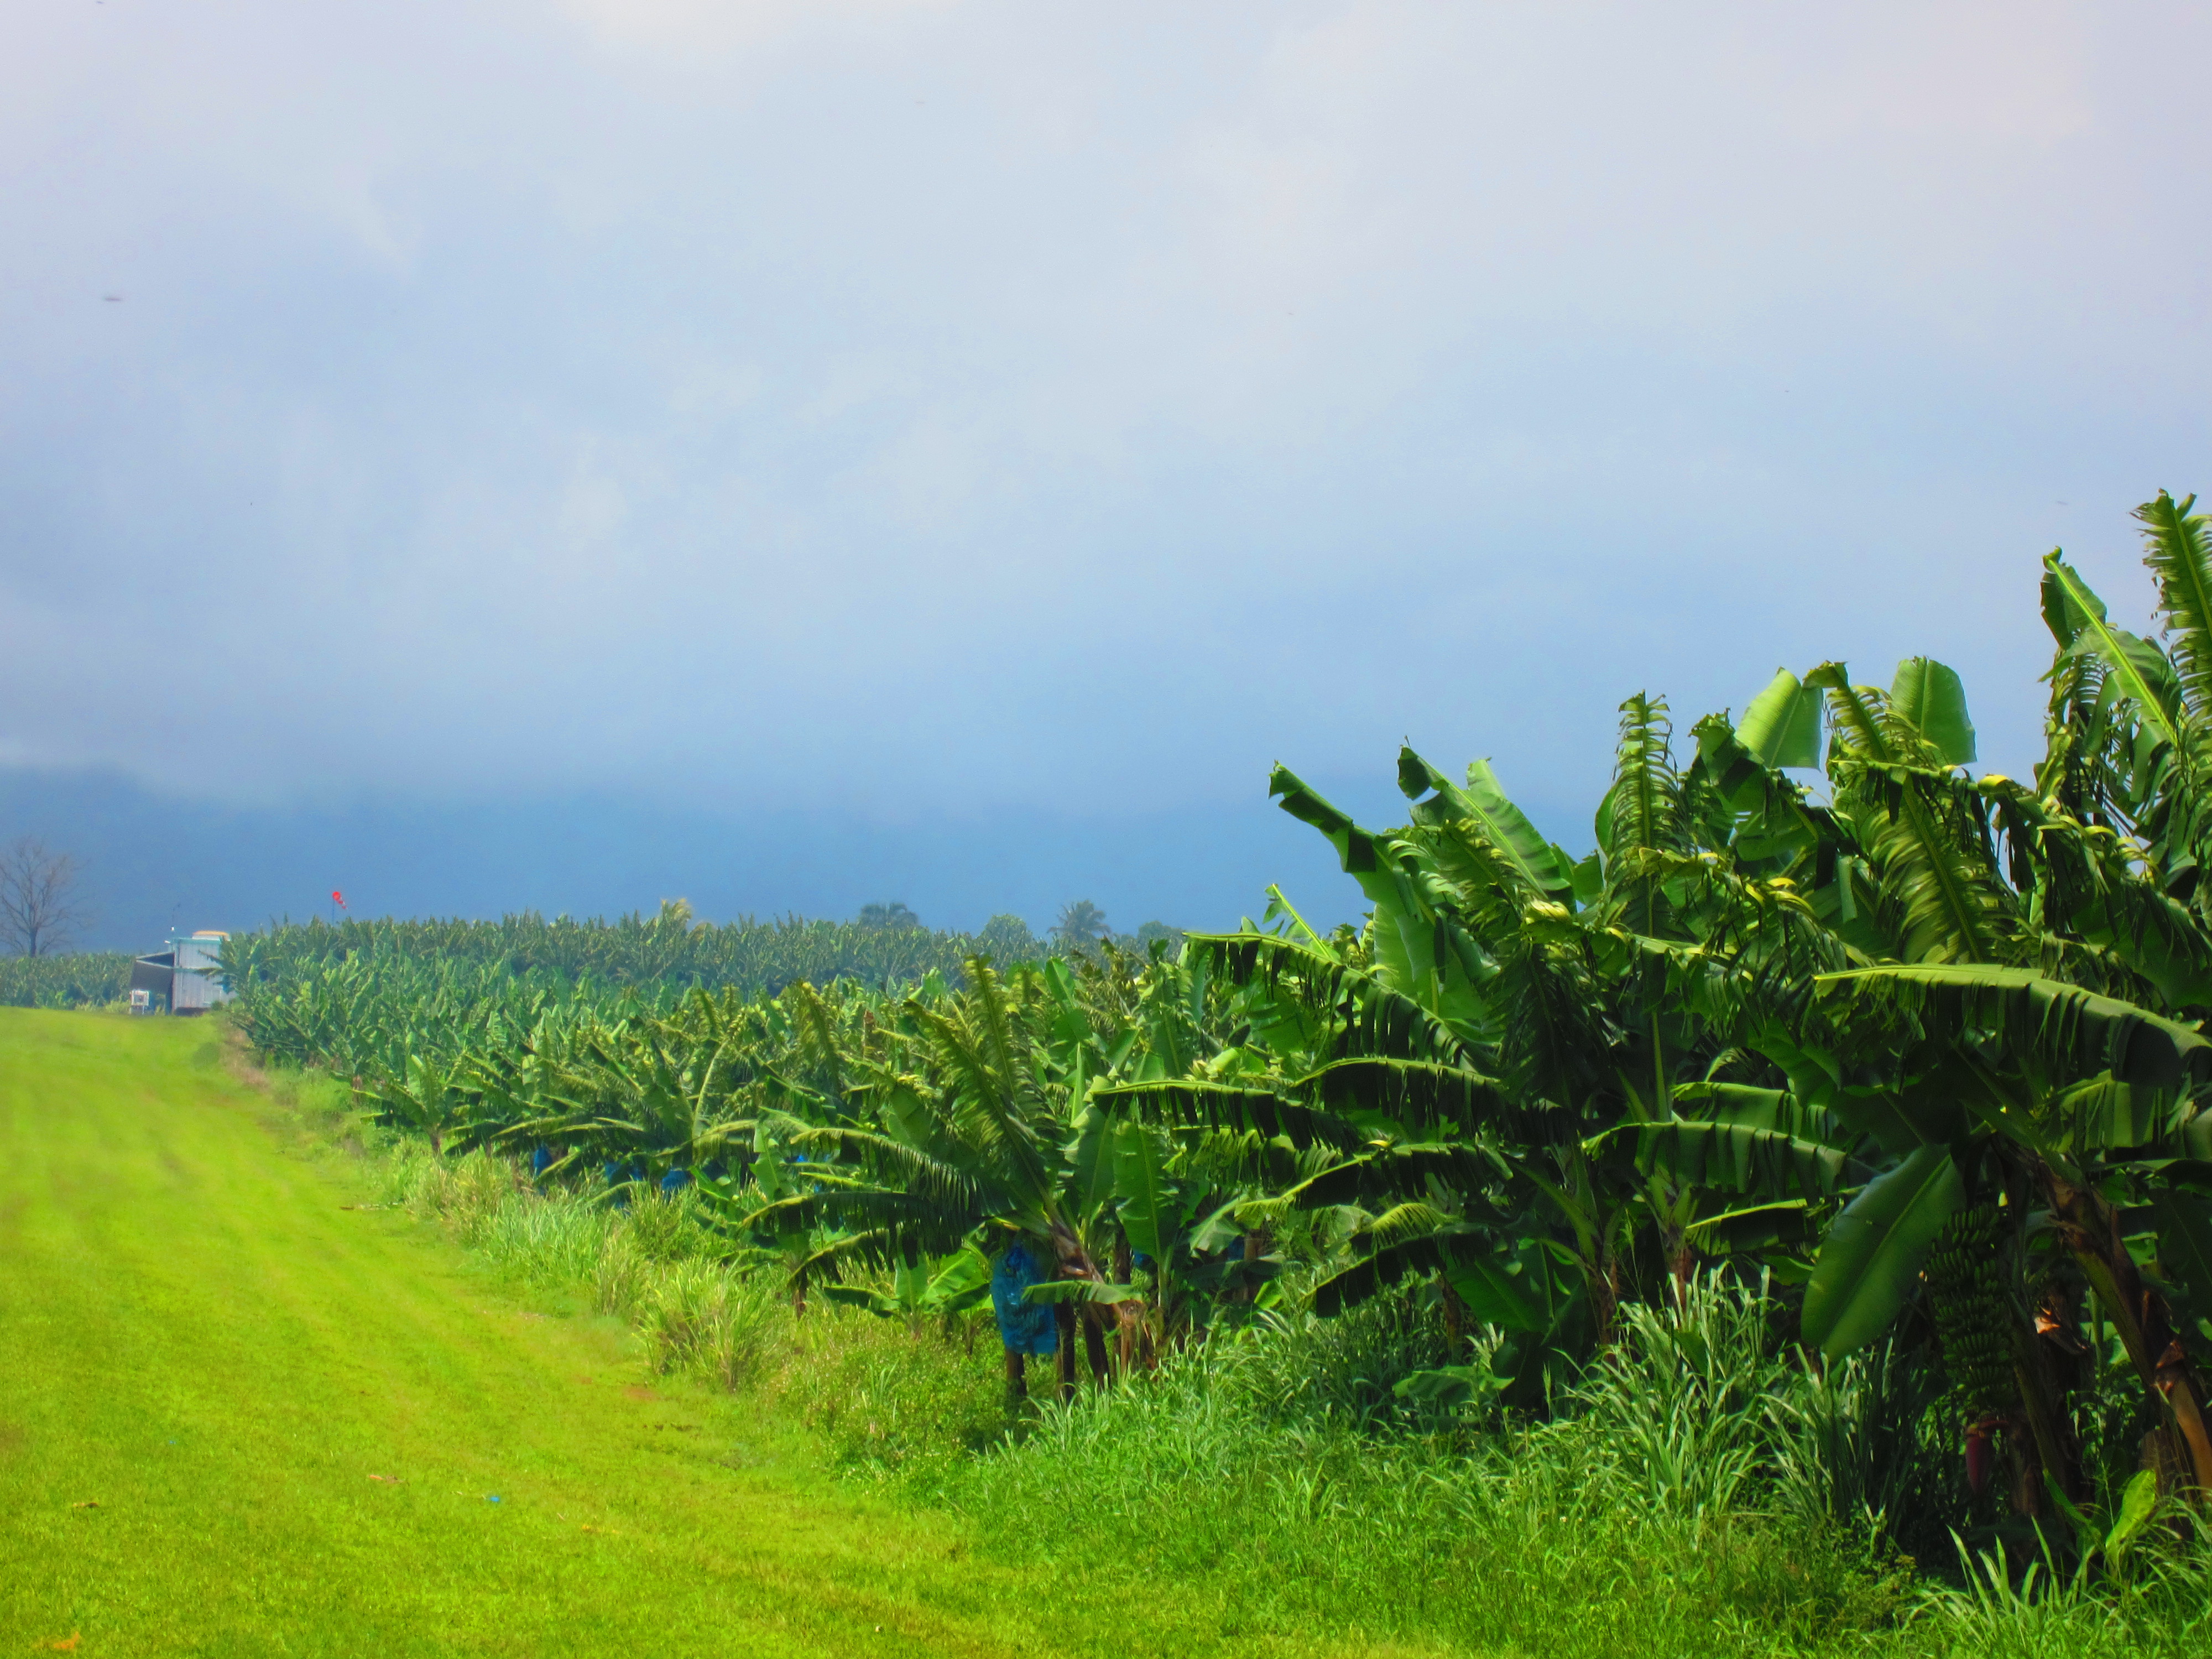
(2059, 1024)
(1090, 1185)
(2106, 1114)
(1383, 1018)
(2154, 935)
(1403, 925)
(1102, 1292)
(1503, 823)
(1931, 697)
(1224, 1106)
(1738, 1158)
(1922, 828)
(925, 1285)
(1510, 1288)
(2191, 1136)
(1747, 805)
(1381, 1174)
(1924, 1107)
(1149, 1206)
(1782, 727)
(2179, 556)
(1869, 1265)
(1424, 1094)
(2138, 670)
(2091, 886)
(1643, 811)
(1436, 1253)
(1755, 1227)
(1778, 1109)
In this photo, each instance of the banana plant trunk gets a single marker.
(2091, 1230)
(1256, 1244)
(1094, 1345)
(2045, 1450)
(1063, 1354)
(1681, 1263)
(1076, 1262)
(1603, 1277)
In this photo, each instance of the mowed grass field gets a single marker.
(239, 1416)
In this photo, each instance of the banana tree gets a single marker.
(2047, 1101)
(656, 1100)
(1170, 1197)
(427, 1099)
(2033, 999)
(1572, 1033)
(968, 1117)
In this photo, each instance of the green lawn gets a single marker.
(208, 1359)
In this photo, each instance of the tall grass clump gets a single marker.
(898, 1401)
(1702, 1489)
(651, 1263)
(2030, 1605)
(1642, 1504)
(554, 1238)
(1298, 1367)
(700, 1317)
(621, 1275)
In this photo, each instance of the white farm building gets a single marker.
(182, 979)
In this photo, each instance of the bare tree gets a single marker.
(40, 907)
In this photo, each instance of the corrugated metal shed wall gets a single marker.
(198, 952)
(194, 986)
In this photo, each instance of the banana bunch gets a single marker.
(1973, 1316)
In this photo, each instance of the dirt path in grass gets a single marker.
(238, 1417)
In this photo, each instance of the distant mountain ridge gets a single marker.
(153, 862)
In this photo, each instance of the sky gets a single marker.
(575, 454)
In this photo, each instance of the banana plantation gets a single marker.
(654, 954)
(1914, 1050)
(71, 980)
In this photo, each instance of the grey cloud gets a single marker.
(876, 407)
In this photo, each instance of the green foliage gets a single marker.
(889, 1401)
(1758, 1034)
(656, 955)
(1871, 1259)
(1782, 727)
(1729, 1497)
(90, 978)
